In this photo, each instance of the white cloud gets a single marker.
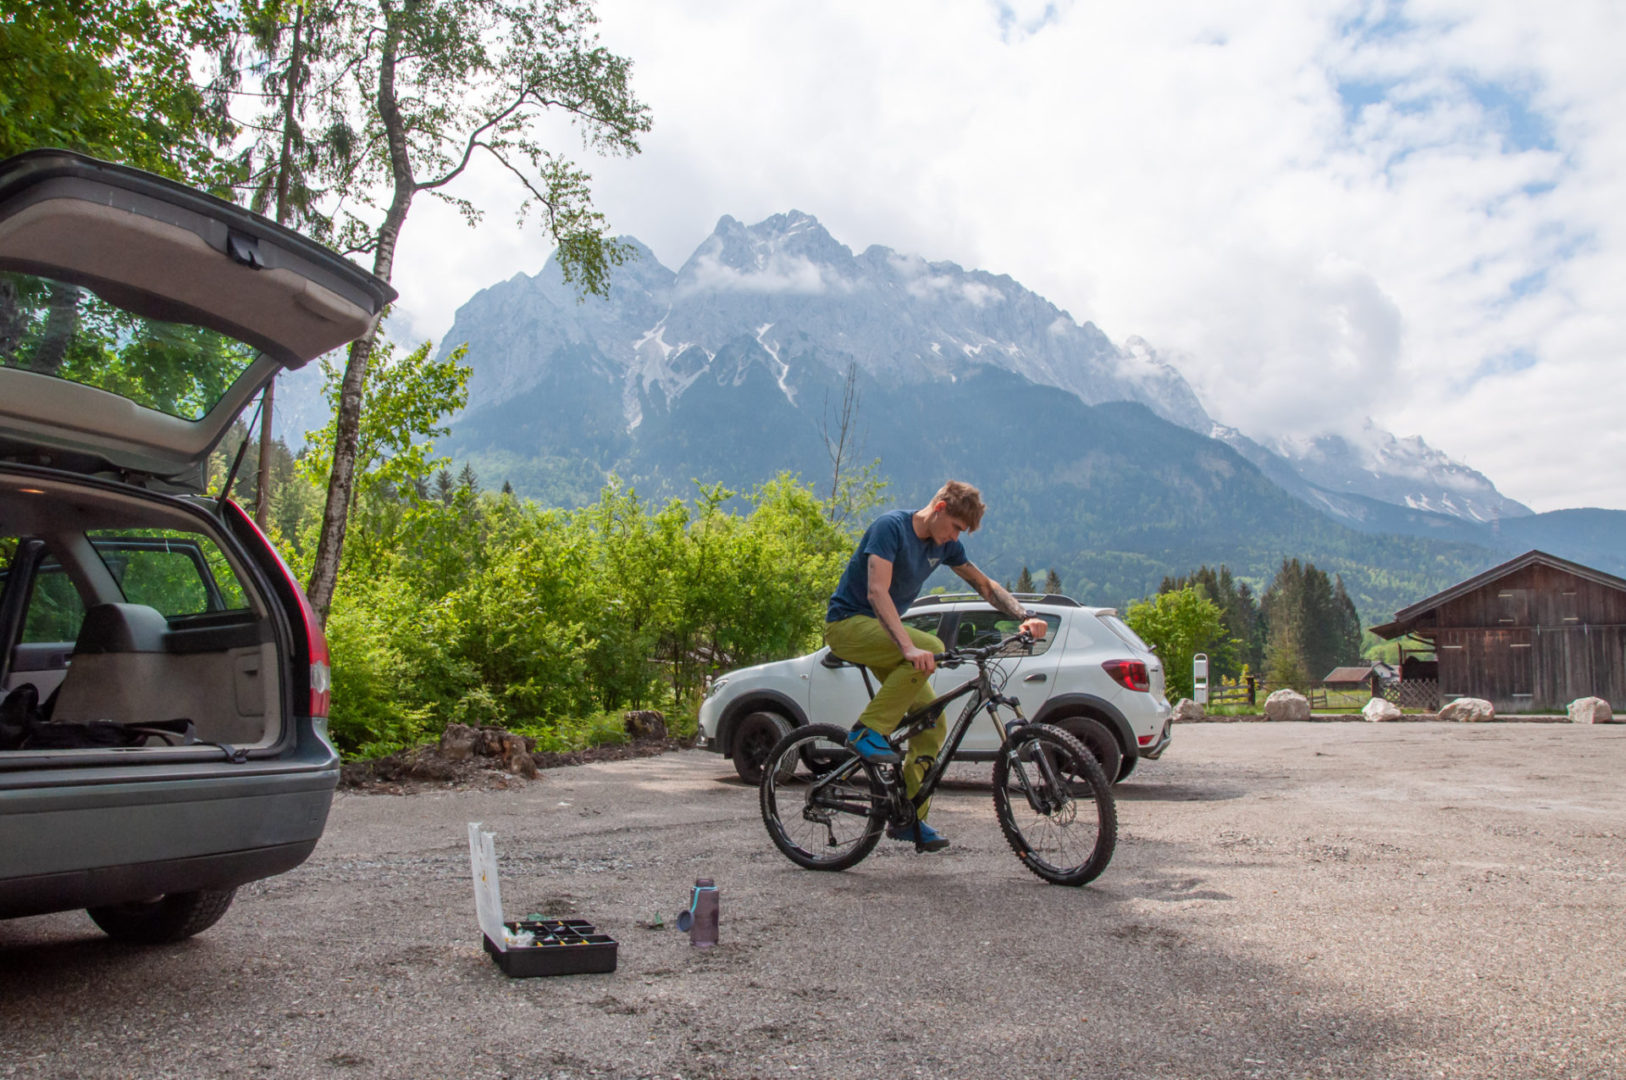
(1440, 245)
(780, 273)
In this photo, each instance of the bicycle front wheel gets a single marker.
(1054, 805)
(824, 806)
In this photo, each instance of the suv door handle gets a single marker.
(1037, 676)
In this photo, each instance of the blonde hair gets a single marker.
(964, 502)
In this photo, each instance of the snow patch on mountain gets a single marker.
(812, 307)
(1406, 472)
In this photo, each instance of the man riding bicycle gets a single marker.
(863, 625)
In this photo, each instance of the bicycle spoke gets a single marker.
(1054, 806)
(828, 813)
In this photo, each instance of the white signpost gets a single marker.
(1199, 678)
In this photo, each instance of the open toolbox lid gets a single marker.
(138, 316)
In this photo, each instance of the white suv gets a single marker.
(1090, 675)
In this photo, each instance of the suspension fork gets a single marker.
(1053, 789)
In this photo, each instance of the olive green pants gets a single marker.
(863, 640)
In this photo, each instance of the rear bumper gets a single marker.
(1161, 743)
(74, 889)
(71, 846)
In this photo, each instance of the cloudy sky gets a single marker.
(1322, 211)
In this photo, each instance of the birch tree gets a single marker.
(413, 91)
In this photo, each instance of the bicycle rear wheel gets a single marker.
(829, 816)
(1054, 805)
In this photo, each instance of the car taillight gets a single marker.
(321, 672)
(316, 641)
(1129, 674)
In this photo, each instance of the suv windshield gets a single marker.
(54, 328)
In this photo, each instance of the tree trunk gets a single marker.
(262, 487)
(347, 436)
(61, 324)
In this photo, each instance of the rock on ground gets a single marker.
(1287, 705)
(1590, 710)
(1379, 710)
(1468, 710)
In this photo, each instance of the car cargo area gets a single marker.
(130, 630)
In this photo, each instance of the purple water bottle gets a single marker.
(703, 914)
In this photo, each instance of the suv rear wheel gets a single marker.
(754, 736)
(167, 918)
(1098, 740)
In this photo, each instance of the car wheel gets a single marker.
(1098, 740)
(754, 737)
(170, 917)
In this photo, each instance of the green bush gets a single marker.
(479, 609)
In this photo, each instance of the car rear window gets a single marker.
(926, 624)
(179, 573)
(52, 610)
(1124, 633)
(66, 331)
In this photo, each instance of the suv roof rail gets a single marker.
(1055, 599)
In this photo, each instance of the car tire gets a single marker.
(1098, 739)
(171, 917)
(754, 737)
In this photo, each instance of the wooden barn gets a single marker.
(1532, 634)
(1359, 676)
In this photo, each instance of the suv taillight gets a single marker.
(1129, 674)
(321, 673)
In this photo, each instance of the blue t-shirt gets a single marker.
(892, 537)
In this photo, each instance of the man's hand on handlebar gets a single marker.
(1036, 627)
(923, 661)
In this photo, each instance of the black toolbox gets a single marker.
(562, 947)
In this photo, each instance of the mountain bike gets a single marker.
(825, 806)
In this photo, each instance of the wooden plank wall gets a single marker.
(1536, 639)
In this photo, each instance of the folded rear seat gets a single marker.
(119, 670)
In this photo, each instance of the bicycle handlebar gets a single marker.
(955, 657)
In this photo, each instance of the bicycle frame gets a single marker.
(1045, 783)
(919, 719)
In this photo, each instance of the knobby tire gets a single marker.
(825, 807)
(1063, 833)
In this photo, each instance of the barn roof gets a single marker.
(1355, 673)
(1406, 618)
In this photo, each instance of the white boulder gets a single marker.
(1468, 710)
(1187, 711)
(1590, 710)
(1379, 710)
(1287, 705)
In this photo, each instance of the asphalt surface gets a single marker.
(1287, 900)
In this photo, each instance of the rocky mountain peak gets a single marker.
(785, 299)
(789, 253)
(1408, 471)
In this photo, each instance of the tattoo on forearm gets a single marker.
(1003, 602)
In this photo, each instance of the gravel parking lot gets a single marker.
(1287, 900)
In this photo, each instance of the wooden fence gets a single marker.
(1414, 694)
(1410, 694)
(1247, 691)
